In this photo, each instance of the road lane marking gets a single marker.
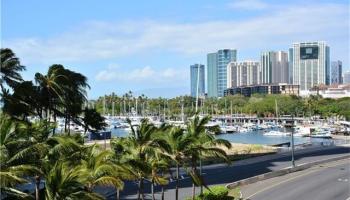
(312, 171)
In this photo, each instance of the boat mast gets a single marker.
(136, 107)
(182, 110)
(104, 105)
(113, 108)
(276, 110)
(231, 113)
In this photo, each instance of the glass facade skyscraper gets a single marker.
(336, 72)
(194, 75)
(311, 64)
(346, 77)
(217, 71)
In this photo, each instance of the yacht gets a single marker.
(227, 129)
(321, 133)
(244, 130)
(276, 133)
(301, 131)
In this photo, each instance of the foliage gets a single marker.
(10, 69)
(93, 120)
(214, 193)
(261, 105)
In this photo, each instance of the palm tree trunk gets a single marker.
(162, 186)
(142, 195)
(152, 190)
(139, 190)
(37, 187)
(68, 125)
(200, 174)
(55, 120)
(193, 191)
(162, 192)
(65, 123)
(118, 194)
(193, 185)
(177, 182)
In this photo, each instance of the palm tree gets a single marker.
(9, 69)
(93, 120)
(12, 173)
(122, 155)
(204, 145)
(66, 182)
(178, 143)
(23, 101)
(158, 164)
(51, 87)
(98, 169)
(45, 153)
(137, 150)
(75, 95)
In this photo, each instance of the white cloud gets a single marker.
(145, 74)
(107, 40)
(248, 5)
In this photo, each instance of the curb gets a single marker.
(281, 172)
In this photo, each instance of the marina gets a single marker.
(251, 137)
(245, 130)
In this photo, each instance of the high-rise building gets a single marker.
(197, 71)
(336, 72)
(346, 77)
(311, 64)
(274, 67)
(243, 74)
(217, 71)
(290, 66)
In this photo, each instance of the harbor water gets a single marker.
(252, 137)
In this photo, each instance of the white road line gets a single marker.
(274, 185)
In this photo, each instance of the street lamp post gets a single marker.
(293, 162)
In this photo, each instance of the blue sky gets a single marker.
(148, 46)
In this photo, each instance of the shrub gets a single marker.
(215, 193)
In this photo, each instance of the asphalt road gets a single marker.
(223, 174)
(325, 182)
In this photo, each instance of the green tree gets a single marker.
(12, 173)
(10, 68)
(66, 182)
(204, 145)
(178, 143)
(93, 120)
(51, 88)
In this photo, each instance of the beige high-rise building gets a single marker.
(243, 73)
(274, 67)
